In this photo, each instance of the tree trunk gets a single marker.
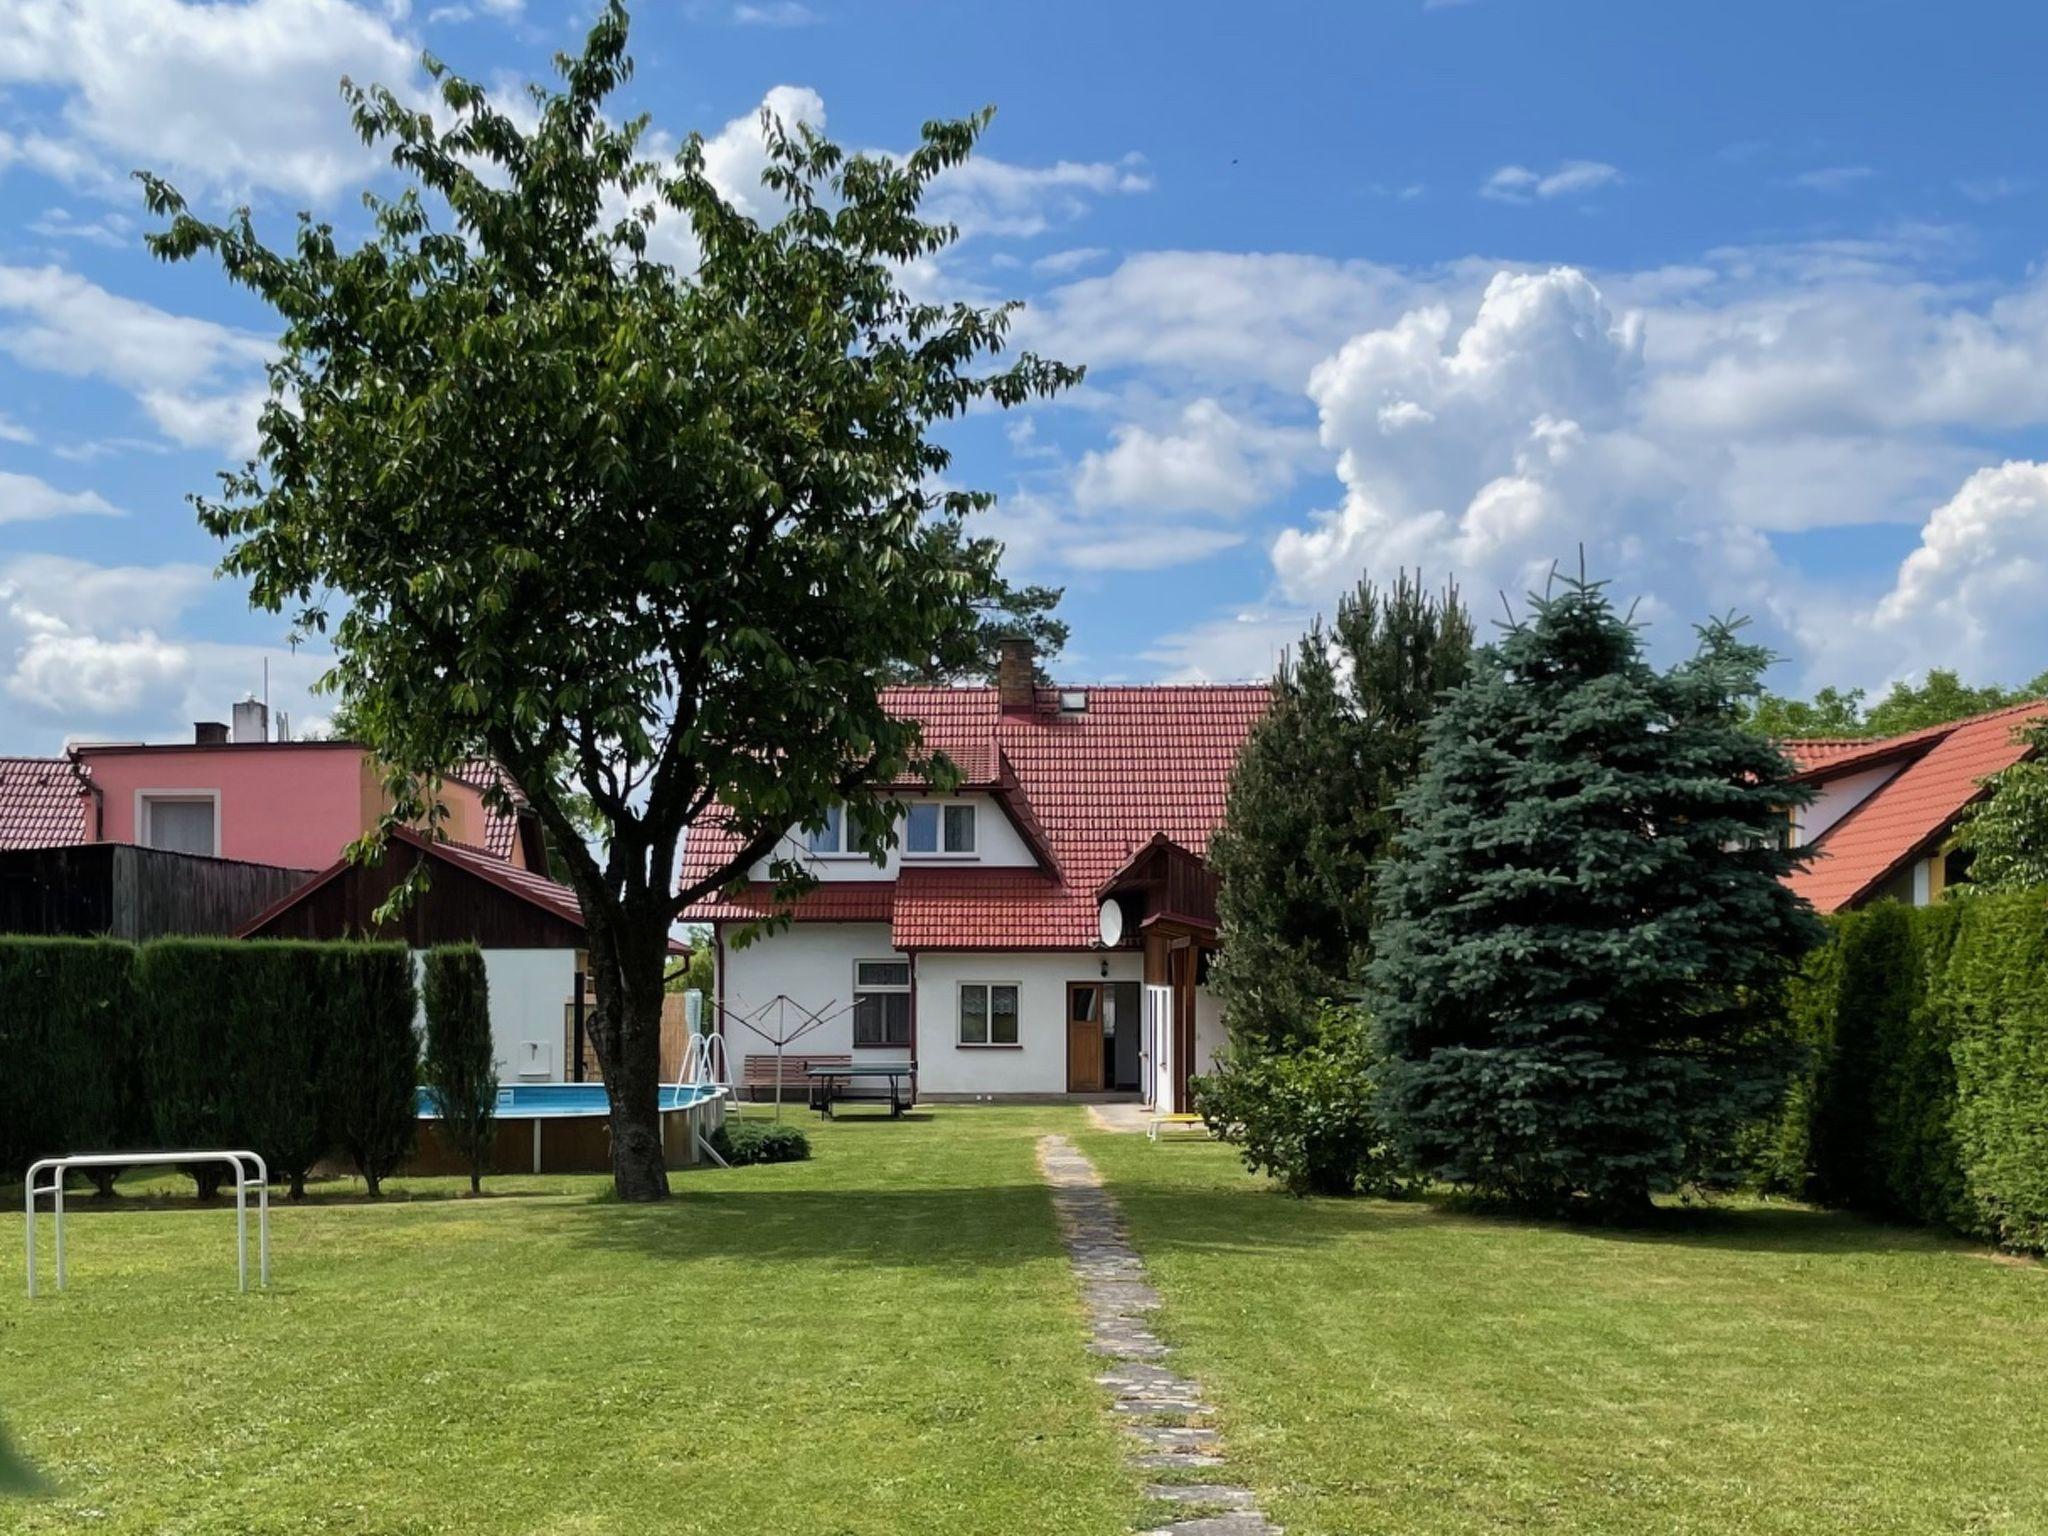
(626, 961)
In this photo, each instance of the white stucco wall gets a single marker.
(1038, 1062)
(812, 965)
(1838, 797)
(996, 846)
(529, 989)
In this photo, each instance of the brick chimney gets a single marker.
(210, 733)
(1016, 674)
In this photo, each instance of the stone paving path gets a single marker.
(1161, 1410)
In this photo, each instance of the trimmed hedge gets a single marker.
(373, 1060)
(1926, 1093)
(196, 1042)
(71, 1081)
(459, 1065)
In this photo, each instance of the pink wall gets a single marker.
(291, 803)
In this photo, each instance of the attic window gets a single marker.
(939, 828)
(1073, 701)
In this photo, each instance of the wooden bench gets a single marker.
(1182, 1123)
(757, 1076)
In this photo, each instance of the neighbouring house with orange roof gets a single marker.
(1882, 822)
(1044, 929)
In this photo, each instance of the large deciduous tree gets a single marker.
(1312, 807)
(1585, 931)
(646, 531)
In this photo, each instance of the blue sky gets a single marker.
(1744, 298)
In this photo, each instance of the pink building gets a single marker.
(237, 795)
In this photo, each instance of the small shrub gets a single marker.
(1308, 1116)
(459, 1064)
(743, 1142)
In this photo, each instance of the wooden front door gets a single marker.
(1084, 1037)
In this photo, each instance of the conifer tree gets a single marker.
(1312, 806)
(1583, 939)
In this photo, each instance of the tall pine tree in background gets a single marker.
(1312, 805)
(1583, 938)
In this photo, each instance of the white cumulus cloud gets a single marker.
(1974, 589)
(1206, 461)
(224, 97)
(197, 380)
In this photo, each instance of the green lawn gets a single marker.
(1418, 1369)
(885, 1339)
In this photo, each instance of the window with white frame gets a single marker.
(180, 823)
(988, 1013)
(939, 827)
(881, 1002)
(830, 839)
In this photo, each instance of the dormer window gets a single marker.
(934, 828)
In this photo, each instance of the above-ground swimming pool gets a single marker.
(549, 1101)
(566, 1128)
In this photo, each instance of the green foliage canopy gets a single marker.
(2007, 834)
(648, 531)
(1939, 698)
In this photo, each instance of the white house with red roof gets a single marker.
(1043, 929)
(1883, 820)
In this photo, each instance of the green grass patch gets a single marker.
(883, 1339)
(1428, 1369)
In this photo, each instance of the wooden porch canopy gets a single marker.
(1167, 894)
(1163, 883)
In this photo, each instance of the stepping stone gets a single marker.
(1248, 1522)
(1167, 1461)
(1139, 1377)
(1164, 1407)
(1174, 1437)
(1224, 1496)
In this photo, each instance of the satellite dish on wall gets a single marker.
(1109, 922)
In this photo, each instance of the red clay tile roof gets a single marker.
(987, 909)
(1824, 757)
(501, 832)
(841, 901)
(1912, 810)
(44, 802)
(1810, 752)
(1094, 785)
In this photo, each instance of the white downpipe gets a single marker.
(59, 1167)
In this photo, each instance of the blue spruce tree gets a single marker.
(1584, 934)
